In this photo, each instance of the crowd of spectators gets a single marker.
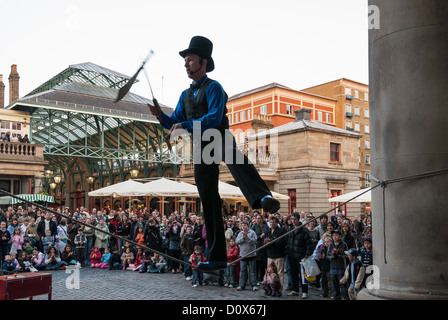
(14, 137)
(32, 240)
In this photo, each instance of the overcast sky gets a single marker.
(297, 43)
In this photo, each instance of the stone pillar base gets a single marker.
(378, 294)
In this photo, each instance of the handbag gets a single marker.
(311, 267)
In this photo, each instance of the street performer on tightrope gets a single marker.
(203, 106)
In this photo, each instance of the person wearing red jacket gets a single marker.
(196, 258)
(233, 253)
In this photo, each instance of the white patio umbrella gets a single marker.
(366, 197)
(128, 188)
(228, 191)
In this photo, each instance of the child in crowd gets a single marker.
(146, 260)
(114, 261)
(366, 257)
(16, 240)
(157, 264)
(195, 258)
(138, 260)
(366, 252)
(320, 255)
(24, 262)
(68, 255)
(104, 264)
(127, 258)
(37, 259)
(95, 257)
(336, 254)
(271, 281)
(53, 261)
(233, 253)
(354, 274)
(8, 266)
(140, 237)
(48, 240)
(28, 249)
(80, 243)
(14, 259)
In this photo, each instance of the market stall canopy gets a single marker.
(228, 191)
(128, 188)
(366, 197)
(169, 188)
(29, 197)
(164, 187)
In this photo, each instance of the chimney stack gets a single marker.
(13, 84)
(2, 92)
(303, 114)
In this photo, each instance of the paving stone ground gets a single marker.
(102, 284)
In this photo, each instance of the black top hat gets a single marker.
(203, 47)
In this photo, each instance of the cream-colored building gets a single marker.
(21, 164)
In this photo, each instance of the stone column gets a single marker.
(409, 119)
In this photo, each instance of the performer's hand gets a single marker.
(172, 134)
(155, 109)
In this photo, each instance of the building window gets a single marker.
(243, 115)
(367, 159)
(230, 119)
(356, 111)
(264, 109)
(289, 109)
(348, 108)
(236, 117)
(367, 179)
(356, 94)
(328, 116)
(367, 144)
(334, 151)
(292, 203)
(366, 96)
(366, 113)
(348, 91)
(248, 114)
(319, 115)
(357, 126)
(348, 124)
(366, 128)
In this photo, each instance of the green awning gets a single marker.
(28, 197)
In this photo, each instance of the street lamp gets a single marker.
(48, 173)
(134, 173)
(90, 179)
(57, 178)
(53, 185)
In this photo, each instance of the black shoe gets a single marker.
(270, 204)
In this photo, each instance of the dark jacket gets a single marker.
(299, 244)
(187, 244)
(338, 259)
(261, 255)
(114, 257)
(123, 229)
(276, 249)
(5, 234)
(153, 238)
(41, 228)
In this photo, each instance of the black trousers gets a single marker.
(206, 175)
